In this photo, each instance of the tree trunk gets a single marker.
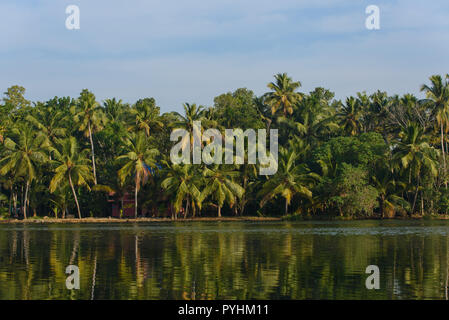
(21, 197)
(243, 199)
(74, 195)
(219, 211)
(444, 154)
(187, 208)
(15, 203)
(268, 126)
(10, 204)
(173, 212)
(422, 204)
(135, 200)
(25, 201)
(286, 206)
(416, 195)
(381, 205)
(93, 154)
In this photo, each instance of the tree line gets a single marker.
(370, 155)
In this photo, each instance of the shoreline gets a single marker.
(205, 219)
(138, 220)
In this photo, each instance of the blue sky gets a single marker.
(191, 51)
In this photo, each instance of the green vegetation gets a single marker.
(368, 156)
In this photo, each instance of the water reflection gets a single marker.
(233, 260)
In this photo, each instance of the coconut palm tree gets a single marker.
(350, 115)
(22, 157)
(140, 158)
(291, 179)
(388, 187)
(48, 120)
(313, 122)
(114, 109)
(147, 116)
(413, 152)
(90, 117)
(283, 95)
(192, 113)
(221, 187)
(181, 182)
(72, 165)
(438, 94)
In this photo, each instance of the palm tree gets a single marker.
(113, 109)
(283, 94)
(221, 187)
(412, 152)
(349, 115)
(264, 111)
(48, 120)
(373, 109)
(23, 155)
(140, 157)
(91, 118)
(313, 122)
(182, 181)
(72, 165)
(192, 113)
(146, 116)
(61, 198)
(388, 187)
(291, 179)
(438, 94)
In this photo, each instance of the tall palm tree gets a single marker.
(264, 111)
(438, 94)
(388, 187)
(140, 157)
(221, 187)
(313, 122)
(192, 113)
(72, 165)
(412, 152)
(283, 95)
(182, 181)
(147, 116)
(349, 116)
(291, 179)
(114, 109)
(48, 120)
(23, 155)
(91, 119)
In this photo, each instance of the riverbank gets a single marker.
(214, 219)
(138, 220)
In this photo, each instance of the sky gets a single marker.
(191, 51)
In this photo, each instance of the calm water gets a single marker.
(226, 260)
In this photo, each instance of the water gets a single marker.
(226, 260)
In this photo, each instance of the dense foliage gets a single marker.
(370, 155)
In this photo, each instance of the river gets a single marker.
(226, 260)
